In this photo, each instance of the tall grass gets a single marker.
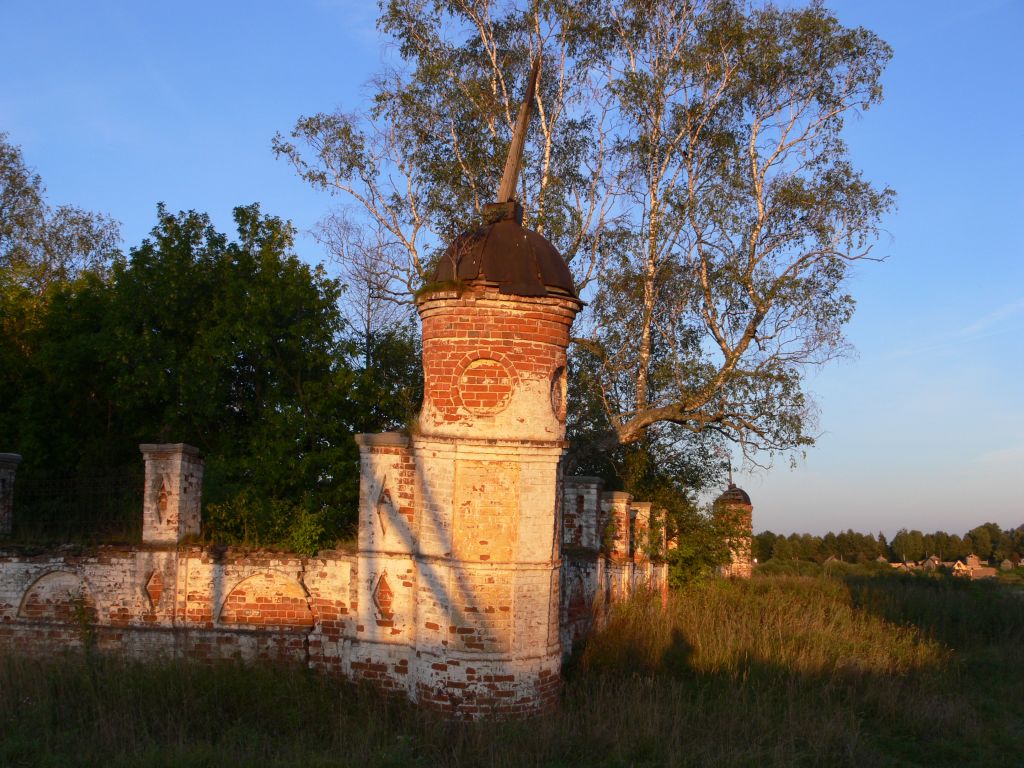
(779, 626)
(783, 671)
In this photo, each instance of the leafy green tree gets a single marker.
(235, 346)
(957, 550)
(763, 545)
(40, 245)
(687, 160)
(908, 546)
(806, 546)
(784, 549)
(1004, 547)
(668, 468)
(982, 541)
(830, 545)
(41, 248)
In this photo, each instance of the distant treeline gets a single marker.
(987, 541)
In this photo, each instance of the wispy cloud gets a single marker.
(990, 324)
(1007, 456)
(993, 318)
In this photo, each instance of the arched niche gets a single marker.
(268, 599)
(58, 596)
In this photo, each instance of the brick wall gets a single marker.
(608, 555)
(471, 638)
(170, 601)
(477, 566)
(496, 363)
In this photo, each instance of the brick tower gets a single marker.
(459, 537)
(491, 437)
(733, 512)
(488, 453)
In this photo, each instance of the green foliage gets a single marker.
(668, 468)
(906, 546)
(237, 347)
(41, 246)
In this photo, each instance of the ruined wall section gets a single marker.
(194, 602)
(613, 548)
(166, 599)
(478, 567)
(733, 515)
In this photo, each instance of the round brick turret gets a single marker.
(733, 513)
(495, 339)
(488, 448)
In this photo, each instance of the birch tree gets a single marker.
(686, 158)
(420, 163)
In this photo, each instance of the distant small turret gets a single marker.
(733, 514)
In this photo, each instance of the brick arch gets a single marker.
(60, 596)
(484, 381)
(269, 598)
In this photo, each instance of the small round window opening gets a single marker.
(485, 387)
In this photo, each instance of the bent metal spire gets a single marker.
(501, 252)
(507, 190)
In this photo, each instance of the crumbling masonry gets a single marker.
(478, 565)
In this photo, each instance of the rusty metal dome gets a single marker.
(734, 495)
(502, 251)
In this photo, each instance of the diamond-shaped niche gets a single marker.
(383, 597)
(154, 588)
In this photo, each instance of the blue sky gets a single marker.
(120, 105)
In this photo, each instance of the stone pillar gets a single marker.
(8, 467)
(616, 535)
(641, 516)
(388, 576)
(659, 543)
(617, 544)
(173, 492)
(581, 501)
(659, 523)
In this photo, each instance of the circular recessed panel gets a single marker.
(485, 387)
(558, 387)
